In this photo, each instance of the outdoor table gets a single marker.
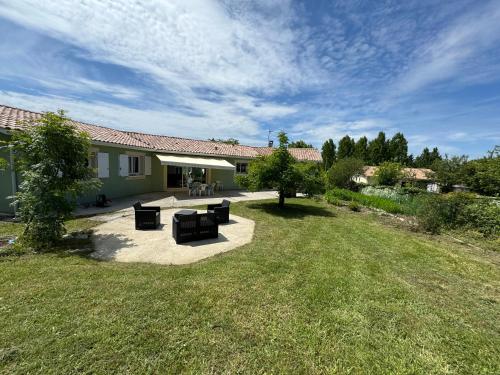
(185, 212)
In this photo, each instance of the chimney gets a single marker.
(270, 144)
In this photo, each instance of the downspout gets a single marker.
(13, 177)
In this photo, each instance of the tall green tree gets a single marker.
(427, 158)
(361, 150)
(378, 149)
(277, 171)
(398, 149)
(328, 154)
(435, 155)
(51, 158)
(346, 148)
(299, 144)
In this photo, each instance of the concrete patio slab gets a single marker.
(117, 240)
(169, 200)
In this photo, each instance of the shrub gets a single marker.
(388, 173)
(341, 173)
(483, 175)
(459, 210)
(483, 216)
(430, 214)
(354, 206)
(330, 198)
(366, 200)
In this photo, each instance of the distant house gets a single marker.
(422, 177)
(129, 163)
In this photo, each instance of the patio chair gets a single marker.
(186, 228)
(194, 188)
(211, 188)
(203, 189)
(221, 211)
(146, 217)
(207, 226)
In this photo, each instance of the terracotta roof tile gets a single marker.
(414, 173)
(184, 145)
(11, 117)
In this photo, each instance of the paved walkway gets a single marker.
(119, 241)
(170, 200)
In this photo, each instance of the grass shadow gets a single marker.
(291, 210)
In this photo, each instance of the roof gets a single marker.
(412, 173)
(301, 154)
(10, 118)
(184, 145)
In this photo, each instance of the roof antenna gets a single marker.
(269, 141)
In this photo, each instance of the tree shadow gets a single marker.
(291, 210)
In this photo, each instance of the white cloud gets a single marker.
(187, 43)
(167, 122)
(454, 51)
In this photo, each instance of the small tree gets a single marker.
(277, 171)
(312, 178)
(483, 175)
(449, 171)
(389, 174)
(342, 172)
(51, 157)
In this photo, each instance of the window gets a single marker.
(136, 165)
(92, 163)
(241, 168)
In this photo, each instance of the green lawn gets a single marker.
(319, 290)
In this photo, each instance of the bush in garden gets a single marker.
(483, 175)
(365, 200)
(341, 173)
(483, 216)
(389, 173)
(354, 206)
(459, 210)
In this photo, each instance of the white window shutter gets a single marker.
(147, 165)
(102, 165)
(123, 165)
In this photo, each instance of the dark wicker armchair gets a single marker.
(194, 227)
(146, 217)
(220, 210)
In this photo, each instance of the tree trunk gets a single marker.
(281, 201)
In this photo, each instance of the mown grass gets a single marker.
(317, 291)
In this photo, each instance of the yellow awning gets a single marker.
(190, 161)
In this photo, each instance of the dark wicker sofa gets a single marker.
(194, 227)
(146, 217)
(220, 210)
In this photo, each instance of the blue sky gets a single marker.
(316, 69)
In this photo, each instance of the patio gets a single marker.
(171, 200)
(118, 240)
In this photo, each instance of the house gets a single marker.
(130, 163)
(422, 177)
